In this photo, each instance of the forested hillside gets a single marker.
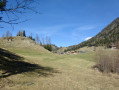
(107, 36)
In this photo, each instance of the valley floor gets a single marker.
(47, 71)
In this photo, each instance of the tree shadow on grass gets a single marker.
(13, 64)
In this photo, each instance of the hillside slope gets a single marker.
(21, 43)
(108, 35)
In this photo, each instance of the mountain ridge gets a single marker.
(108, 35)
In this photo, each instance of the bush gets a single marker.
(48, 47)
(107, 61)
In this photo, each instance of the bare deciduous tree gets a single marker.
(37, 38)
(9, 35)
(12, 8)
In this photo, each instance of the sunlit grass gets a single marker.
(74, 72)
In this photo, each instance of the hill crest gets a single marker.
(20, 42)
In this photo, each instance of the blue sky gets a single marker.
(68, 22)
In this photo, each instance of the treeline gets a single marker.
(21, 33)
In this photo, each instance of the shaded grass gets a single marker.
(12, 64)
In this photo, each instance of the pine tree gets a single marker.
(24, 34)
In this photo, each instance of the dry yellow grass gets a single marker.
(71, 72)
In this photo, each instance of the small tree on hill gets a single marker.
(21, 33)
(24, 34)
(9, 35)
(37, 38)
(47, 43)
(18, 33)
(31, 37)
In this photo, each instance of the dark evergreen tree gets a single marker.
(21, 33)
(48, 47)
(24, 34)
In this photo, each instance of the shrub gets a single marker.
(107, 61)
(48, 47)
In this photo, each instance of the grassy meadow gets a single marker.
(59, 72)
(38, 70)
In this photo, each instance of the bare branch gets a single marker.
(13, 10)
(10, 22)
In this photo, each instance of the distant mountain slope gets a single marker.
(61, 50)
(108, 35)
(58, 50)
(54, 48)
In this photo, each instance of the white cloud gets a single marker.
(88, 38)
